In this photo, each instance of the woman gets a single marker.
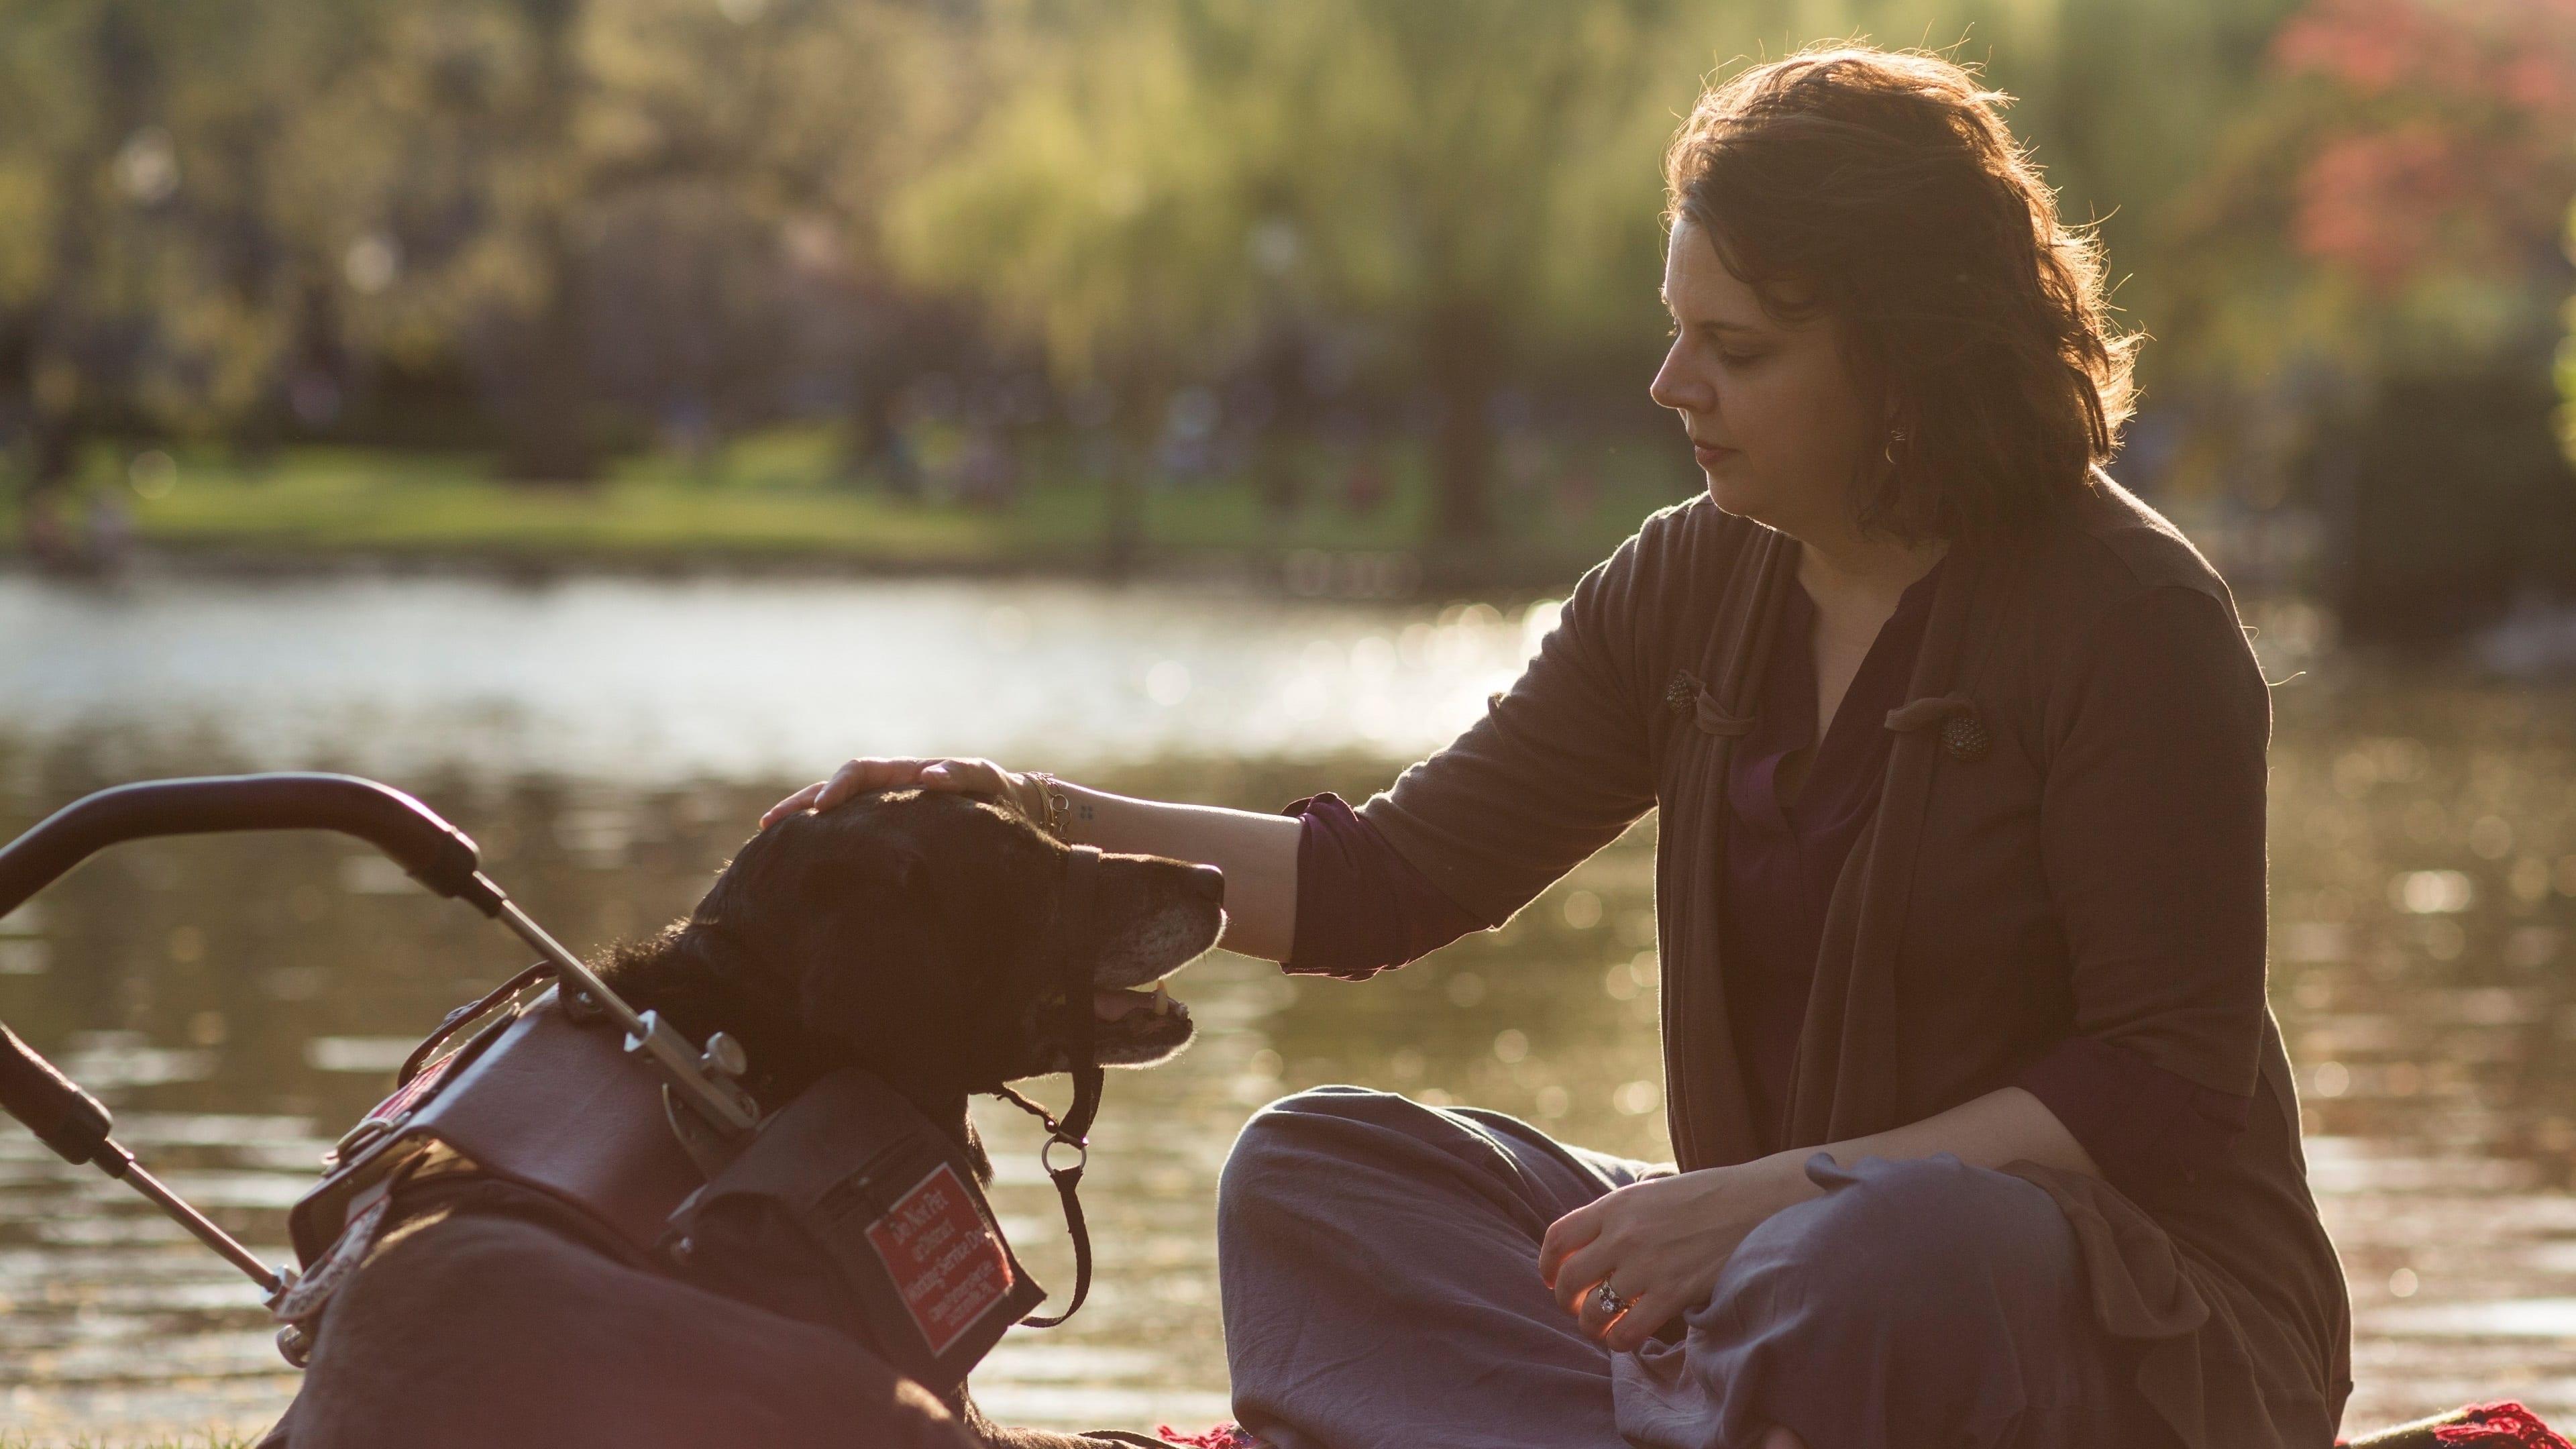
(1984, 1131)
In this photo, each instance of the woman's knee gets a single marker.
(1917, 1292)
(1294, 1138)
(1918, 1246)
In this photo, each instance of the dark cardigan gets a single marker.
(1362, 907)
(2095, 869)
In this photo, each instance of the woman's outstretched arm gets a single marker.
(1258, 853)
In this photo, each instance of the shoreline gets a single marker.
(1344, 574)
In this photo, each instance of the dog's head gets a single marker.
(922, 936)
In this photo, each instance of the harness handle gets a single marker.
(433, 852)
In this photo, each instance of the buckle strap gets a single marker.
(1067, 1180)
(1078, 951)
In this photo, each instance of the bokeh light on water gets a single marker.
(238, 1001)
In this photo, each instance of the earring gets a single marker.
(1895, 436)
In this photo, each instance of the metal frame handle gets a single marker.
(435, 853)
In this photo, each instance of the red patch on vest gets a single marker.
(946, 1261)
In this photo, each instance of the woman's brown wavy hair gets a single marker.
(1882, 189)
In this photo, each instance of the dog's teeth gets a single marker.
(1162, 1000)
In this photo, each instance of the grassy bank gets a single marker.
(782, 497)
(210, 1439)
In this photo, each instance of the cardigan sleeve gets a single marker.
(2151, 835)
(1557, 767)
(2138, 1122)
(1361, 908)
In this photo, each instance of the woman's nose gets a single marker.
(1676, 388)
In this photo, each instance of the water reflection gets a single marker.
(2424, 864)
(736, 680)
(238, 1001)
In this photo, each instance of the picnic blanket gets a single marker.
(2506, 1425)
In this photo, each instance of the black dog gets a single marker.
(911, 934)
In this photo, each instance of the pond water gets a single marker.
(239, 1001)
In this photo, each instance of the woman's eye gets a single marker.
(1739, 359)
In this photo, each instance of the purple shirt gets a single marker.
(1785, 850)
(1362, 908)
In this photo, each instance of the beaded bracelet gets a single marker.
(1058, 807)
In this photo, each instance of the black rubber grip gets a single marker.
(437, 854)
(53, 1106)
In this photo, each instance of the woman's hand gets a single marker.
(857, 777)
(1660, 1243)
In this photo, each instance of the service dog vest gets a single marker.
(849, 1171)
(852, 1172)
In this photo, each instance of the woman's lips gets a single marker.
(1710, 455)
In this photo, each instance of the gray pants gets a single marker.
(1379, 1261)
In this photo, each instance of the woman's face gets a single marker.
(1773, 414)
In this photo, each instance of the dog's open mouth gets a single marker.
(1116, 1006)
(1135, 1027)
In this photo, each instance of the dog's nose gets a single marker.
(1209, 882)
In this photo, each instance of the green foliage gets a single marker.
(1156, 174)
(137, 211)
(1471, 183)
(586, 219)
(2565, 364)
(1495, 156)
(205, 208)
(1166, 182)
(209, 1439)
(1092, 206)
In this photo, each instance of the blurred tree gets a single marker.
(890, 94)
(1477, 178)
(2401, 192)
(80, 89)
(787, 124)
(144, 282)
(586, 219)
(1483, 175)
(2386, 234)
(2566, 368)
(640, 210)
(1161, 178)
(447, 169)
(549, 411)
(1099, 204)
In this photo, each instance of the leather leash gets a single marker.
(1079, 948)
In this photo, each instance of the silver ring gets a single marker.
(1607, 1299)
